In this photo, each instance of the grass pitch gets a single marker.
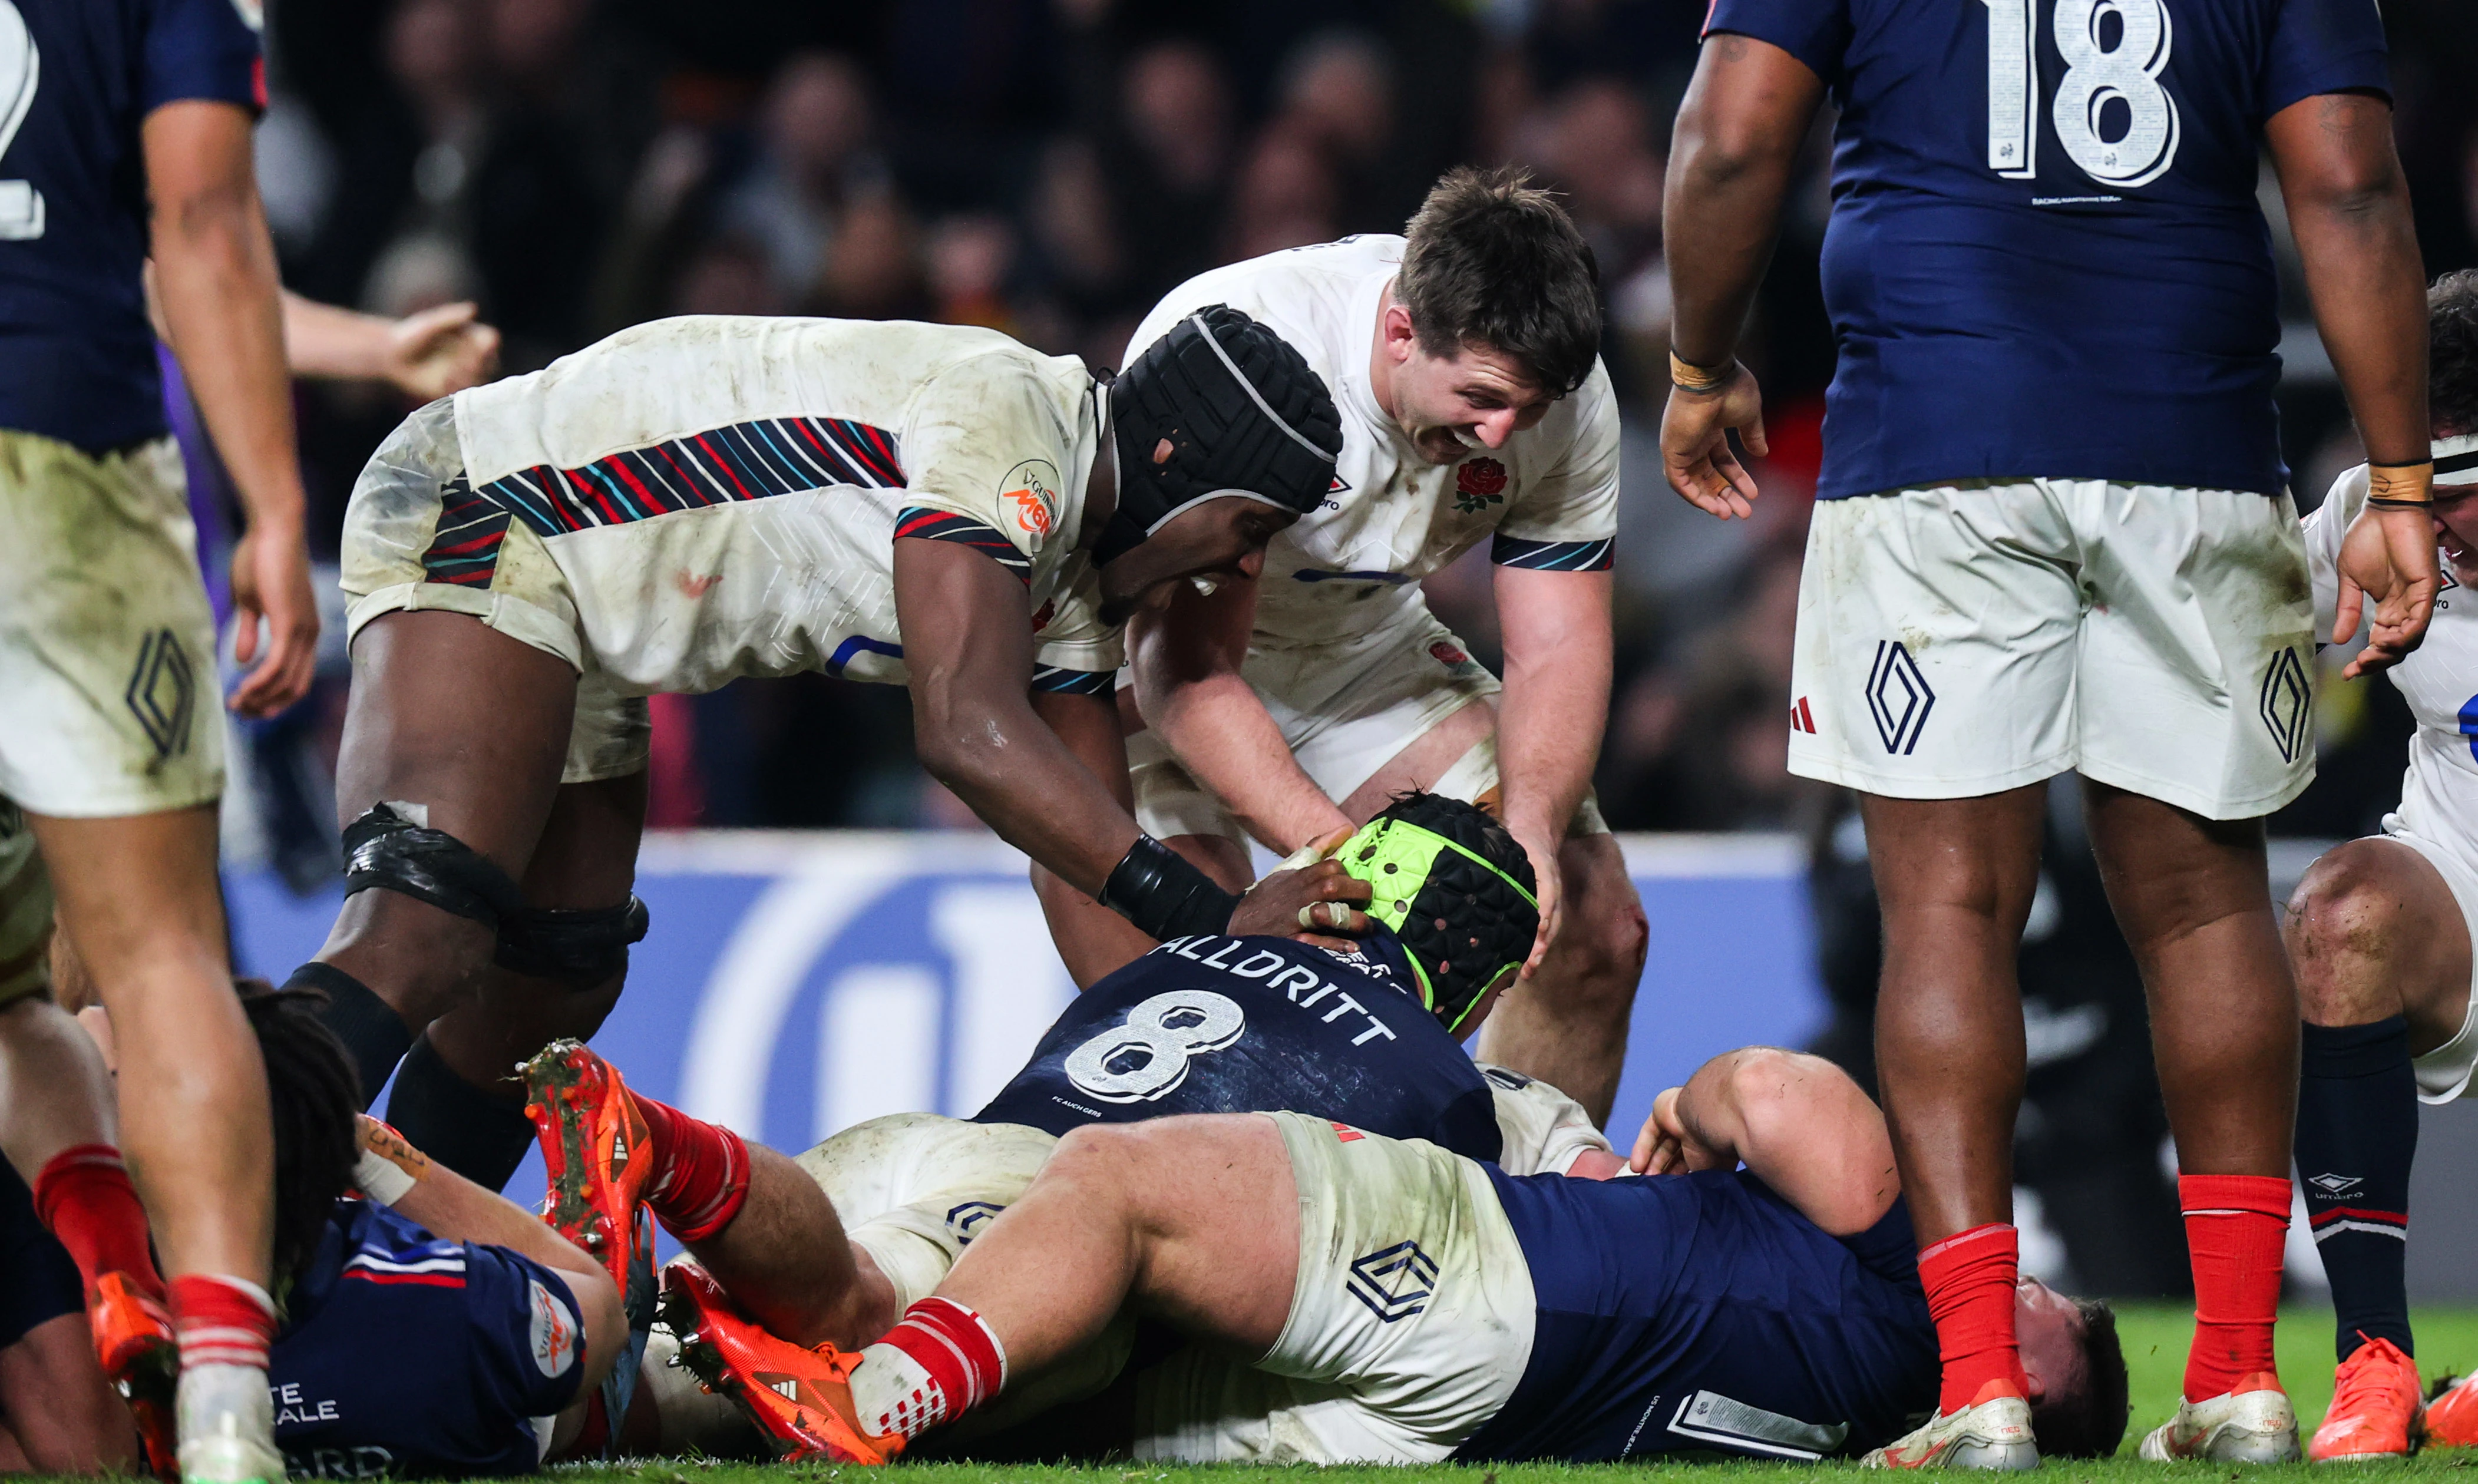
(2154, 1337)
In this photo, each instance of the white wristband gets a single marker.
(380, 1178)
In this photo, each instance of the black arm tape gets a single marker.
(579, 947)
(1163, 894)
(385, 850)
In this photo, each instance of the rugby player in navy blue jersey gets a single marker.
(2053, 532)
(431, 1329)
(1405, 1304)
(125, 133)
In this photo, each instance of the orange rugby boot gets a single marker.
(2374, 1407)
(595, 1146)
(800, 1398)
(2452, 1414)
(132, 1340)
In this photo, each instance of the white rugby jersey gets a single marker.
(2440, 680)
(722, 493)
(1549, 497)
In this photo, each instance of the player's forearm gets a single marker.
(1729, 168)
(215, 268)
(321, 339)
(448, 1205)
(1014, 772)
(1227, 740)
(2349, 212)
(1558, 650)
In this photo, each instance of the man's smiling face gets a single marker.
(1451, 406)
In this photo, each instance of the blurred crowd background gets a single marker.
(1048, 167)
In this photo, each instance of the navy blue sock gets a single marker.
(455, 1123)
(373, 1034)
(2357, 1135)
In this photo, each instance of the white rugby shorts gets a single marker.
(25, 911)
(1962, 640)
(2443, 1074)
(107, 643)
(392, 523)
(1411, 1319)
(1346, 708)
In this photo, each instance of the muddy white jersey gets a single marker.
(2440, 680)
(722, 493)
(1549, 498)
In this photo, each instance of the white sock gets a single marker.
(893, 1393)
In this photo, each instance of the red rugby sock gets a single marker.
(940, 1362)
(1969, 1278)
(702, 1172)
(221, 1322)
(85, 1198)
(2235, 1227)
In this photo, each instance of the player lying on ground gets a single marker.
(702, 498)
(832, 1247)
(1288, 704)
(1404, 1305)
(2380, 931)
(442, 1336)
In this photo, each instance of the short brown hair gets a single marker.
(1493, 260)
(2087, 1418)
(2452, 351)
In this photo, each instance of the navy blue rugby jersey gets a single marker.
(406, 1356)
(2046, 259)
(1703, 1314)
(77, 77)
(1251, 1025)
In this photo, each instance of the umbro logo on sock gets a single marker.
(2336, 1184)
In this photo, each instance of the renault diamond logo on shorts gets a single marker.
(968, 1219)
(1898, 698)
(1395, 1282)
(2288, 704)
(162, 692)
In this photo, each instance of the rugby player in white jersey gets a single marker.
(702, 498)
(2380, 931)
(1288, 705)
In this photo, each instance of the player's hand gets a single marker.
(2388, 555)
(1319, 904)
(1695, 443)
(1549, 888)
(440, 350)
(1666, 1146)
(270, 580)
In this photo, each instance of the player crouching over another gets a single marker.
(698, 499)
(2380, 931)
(1407, 1305)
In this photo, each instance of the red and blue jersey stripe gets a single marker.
(747, 461)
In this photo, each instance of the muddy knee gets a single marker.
(2341, 929)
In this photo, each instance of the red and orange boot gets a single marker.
(2452, 1414)
(596, 1148)
(800, 1398)
(2375, 1408)
(132, 1340)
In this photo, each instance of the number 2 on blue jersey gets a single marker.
(22, 66)
(2095, 75)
